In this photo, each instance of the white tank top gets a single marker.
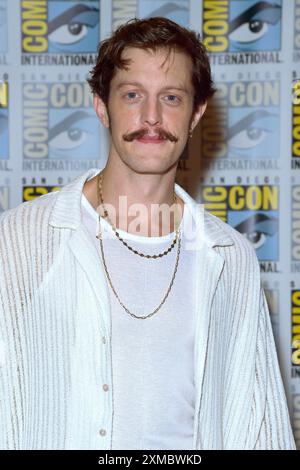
(153, 359)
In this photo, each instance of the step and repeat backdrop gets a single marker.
(243, 161)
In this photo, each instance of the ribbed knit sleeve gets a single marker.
(26, 253)
(275, 430)
(10, 390)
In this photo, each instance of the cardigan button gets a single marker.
(103, 339)
(105, 387)
(102, 432)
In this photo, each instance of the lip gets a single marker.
(151, 140)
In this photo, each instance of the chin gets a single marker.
(150, 166)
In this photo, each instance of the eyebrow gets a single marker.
(168, 87)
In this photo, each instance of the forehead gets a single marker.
(152, 66)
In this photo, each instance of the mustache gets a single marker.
(141, 132)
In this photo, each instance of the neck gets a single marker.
(141, 204)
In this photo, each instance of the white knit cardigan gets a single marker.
(55, 343)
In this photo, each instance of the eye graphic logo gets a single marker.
(73, 27)
(3, 26)
(73, 134)
(261, 229)
(252, 210)
(3, 120)
(177, 11)
(253, 133)
(58, 121)
(242, 25)
(242, 121)
(60, 26)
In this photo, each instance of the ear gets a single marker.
(101, 110)
(197, 115)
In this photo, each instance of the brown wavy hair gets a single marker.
(152, 33)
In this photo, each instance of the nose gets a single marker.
(151, 112)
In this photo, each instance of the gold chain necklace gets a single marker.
(113, 289)
(100, 200)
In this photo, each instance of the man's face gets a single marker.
(150, 110)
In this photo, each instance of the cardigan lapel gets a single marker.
(210, 266)
(67, 214)
(89, 260)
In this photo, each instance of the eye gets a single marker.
(69, 34)
(258, 228)
(73, 24)
(69, 139)
(70, 132)
(254, 22)
(251, 129)
(257, 238)
(250, 31)
(248, 138)
(173, 100)
(130, 93)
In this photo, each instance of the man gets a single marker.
(118, 335)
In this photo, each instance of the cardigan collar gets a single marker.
(66, 212)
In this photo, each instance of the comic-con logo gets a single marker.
(295, 304)
(252, 210)
(242, 121)
(58, 121)
(241, 25)
(3, 26)
(296, 119)
(60, 27)
(3, 120)
(32, 192)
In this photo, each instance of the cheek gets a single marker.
(176, 122)
(124, 117)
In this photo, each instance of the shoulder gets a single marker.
(28, 211)
(20, 226)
